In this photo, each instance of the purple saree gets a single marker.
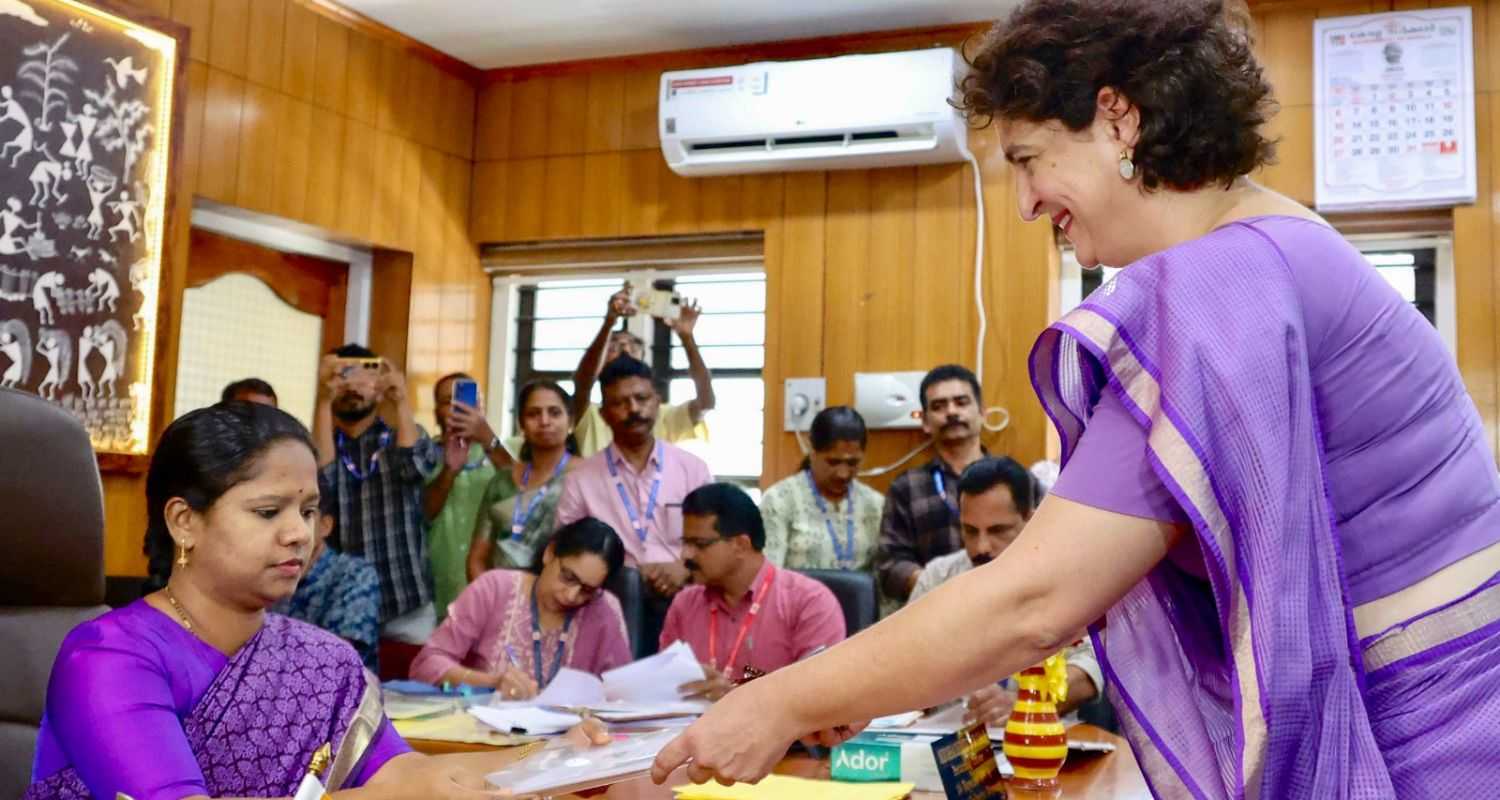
(251, 733)
(1254, 682)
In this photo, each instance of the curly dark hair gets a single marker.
(1186, 65)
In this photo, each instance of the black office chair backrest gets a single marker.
(856, 595)
(627, 587)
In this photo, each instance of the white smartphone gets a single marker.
(659, 303)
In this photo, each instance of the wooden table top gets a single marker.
(1088, 776)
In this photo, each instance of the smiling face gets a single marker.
(1072, 179)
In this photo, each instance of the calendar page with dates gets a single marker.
(1394, 110)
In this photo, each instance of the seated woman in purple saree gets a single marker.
(1278, 514)
(195, 690)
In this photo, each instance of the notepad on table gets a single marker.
(782, 787)
(456, 726)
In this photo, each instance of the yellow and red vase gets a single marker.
(1035, 742)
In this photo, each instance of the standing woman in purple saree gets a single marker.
(195, 691)
(1278, 515)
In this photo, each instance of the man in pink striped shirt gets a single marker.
(636, 484)
(742, 613)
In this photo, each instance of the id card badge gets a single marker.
(967, 766)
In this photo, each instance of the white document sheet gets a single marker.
(654, 679)
(525, 719)
(571, 687)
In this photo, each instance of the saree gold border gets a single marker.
(1434, 591)
(360, 733)
(1439, 628)
(1177, 457)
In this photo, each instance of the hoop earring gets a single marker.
(1127, 165)
(182, 557)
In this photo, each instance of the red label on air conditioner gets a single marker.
(715, 83)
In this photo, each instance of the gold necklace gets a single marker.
(187, 621)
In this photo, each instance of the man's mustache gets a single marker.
(982, 559)
(691, 565)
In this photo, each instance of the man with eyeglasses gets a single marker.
(742, 616)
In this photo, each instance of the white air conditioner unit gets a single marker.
(860, 111)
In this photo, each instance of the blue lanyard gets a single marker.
(536, 640)
(844, 556)
(341, 441)
(942, 490)
(519, 516)
(637, 521)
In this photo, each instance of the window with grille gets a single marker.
(553, 320)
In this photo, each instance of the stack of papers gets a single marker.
(654, 679)
(525, 719)
(455, 727)
(781, 787)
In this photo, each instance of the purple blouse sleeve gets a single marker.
(111, 708)
(1109, 469)
(386, 745)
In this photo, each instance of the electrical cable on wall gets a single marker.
(1004, 415)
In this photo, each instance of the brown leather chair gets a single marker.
(51, 562)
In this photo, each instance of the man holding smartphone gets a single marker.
(375, 458)
(451, 500)
(675, 423)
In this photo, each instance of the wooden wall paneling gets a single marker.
(256, 188)
(1474, 276)
(357, 195)
(642, 193)
(391, 102)
(764, 195)
(161, 8)
(364, 76)
(411, 193)
(888, 318)
(492, 122)
(719, 204)
(487, 209)
(390, 309)
(679, 200)
(844, 302)
(198, 16)
(641, 88)
(604, 124)
(567, 115)
(299, 53)
(267, 42)
(562, 197)
(603, 199)
(799, 298)
(1288, 55)
(230, 36)
(331, 66)
(1294, 172)
(1350, 8)
(294, 144)
(124, 524)
(192, 126)
(1486, 65)
(524, 213)
(528, 117)
(463, 123)
(422, 104)
(938, 248)
(325, 169)
(460, 299)
(385, 209)
(218, 165)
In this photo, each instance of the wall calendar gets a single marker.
(1394, 110)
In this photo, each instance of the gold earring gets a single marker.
(182, 559)
(1127, 165)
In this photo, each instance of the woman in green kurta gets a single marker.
(520, 505)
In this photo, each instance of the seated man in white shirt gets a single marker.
(995, 499)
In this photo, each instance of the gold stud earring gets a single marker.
(1127, 165)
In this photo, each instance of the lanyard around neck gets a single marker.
(757, 600)
(536, 640)
(942, 490)
(341, 442)
(638, 521)
(520, 515)
(843, 556)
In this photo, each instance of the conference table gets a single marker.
(1086, 776)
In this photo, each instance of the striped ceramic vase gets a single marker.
(1035, 742)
